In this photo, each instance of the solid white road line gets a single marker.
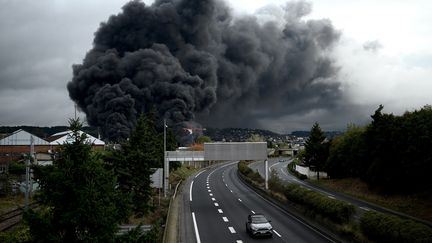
(199, 173)
(220, 210)
(225, 219)
(216, 204)
(232, 230)
(190, 191)
(281, 169)
(277, 233)
(273, 165)
(196, 228)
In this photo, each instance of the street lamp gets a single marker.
(166, 165)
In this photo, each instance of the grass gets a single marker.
(9, 203)
(417, 205)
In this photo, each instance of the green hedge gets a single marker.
(336, 210)
(291, 168)
(249, 173)
(382, 227)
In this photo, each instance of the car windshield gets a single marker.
(259, 219)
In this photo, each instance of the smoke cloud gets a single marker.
(193, 61)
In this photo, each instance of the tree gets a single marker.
(203, 139)
(134, 163)
(255, 138)
(78, 196)
(347, 155)
(316, 149)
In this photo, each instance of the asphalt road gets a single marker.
(216, 204)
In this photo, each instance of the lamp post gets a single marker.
(266, 173)
(166, 166)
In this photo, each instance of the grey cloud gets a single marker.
(373, 46)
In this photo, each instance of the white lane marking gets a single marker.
(209, 190)
(208, 187)
(196, 228)
(296, 219)
(230, 190)
(331, 197)
(365, 208)
(211, 194)
(239, 241)
(252, 211)
(232, 230)
(220, 210)
(190, 191)
(213, 199)
(216, 204)
(273, 165)
(225, 219)
(277, 233)
(239, 199)
(226, 185)
(281, 169)
(199, 173)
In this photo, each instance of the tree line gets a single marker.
(86, 194)
(392, 154)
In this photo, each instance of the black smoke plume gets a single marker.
(194, 61)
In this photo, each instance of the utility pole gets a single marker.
(166, 166)
(27, 181)
(266, 173)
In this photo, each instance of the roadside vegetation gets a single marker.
(85, 195)
(386, 162)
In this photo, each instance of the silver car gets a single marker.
(258, 225)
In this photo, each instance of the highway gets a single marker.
(282, 172)
(215, 208)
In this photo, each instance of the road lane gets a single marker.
(220, 205)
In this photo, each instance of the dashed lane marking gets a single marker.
(239, 241)
(213, 199)
(331, 197)
(232, 230)
(216, 204)
(220, 210)
(252, 211)
(365, 208)
(239, 199)
(225, 219)
(211, 194)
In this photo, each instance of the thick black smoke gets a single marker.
(193, 61)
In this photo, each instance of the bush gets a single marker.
(388, 228)
(249, 173)
(338, 211)
(291, 169)
(275, 183)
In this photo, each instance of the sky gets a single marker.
(384, 55)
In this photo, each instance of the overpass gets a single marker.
(218, 151)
